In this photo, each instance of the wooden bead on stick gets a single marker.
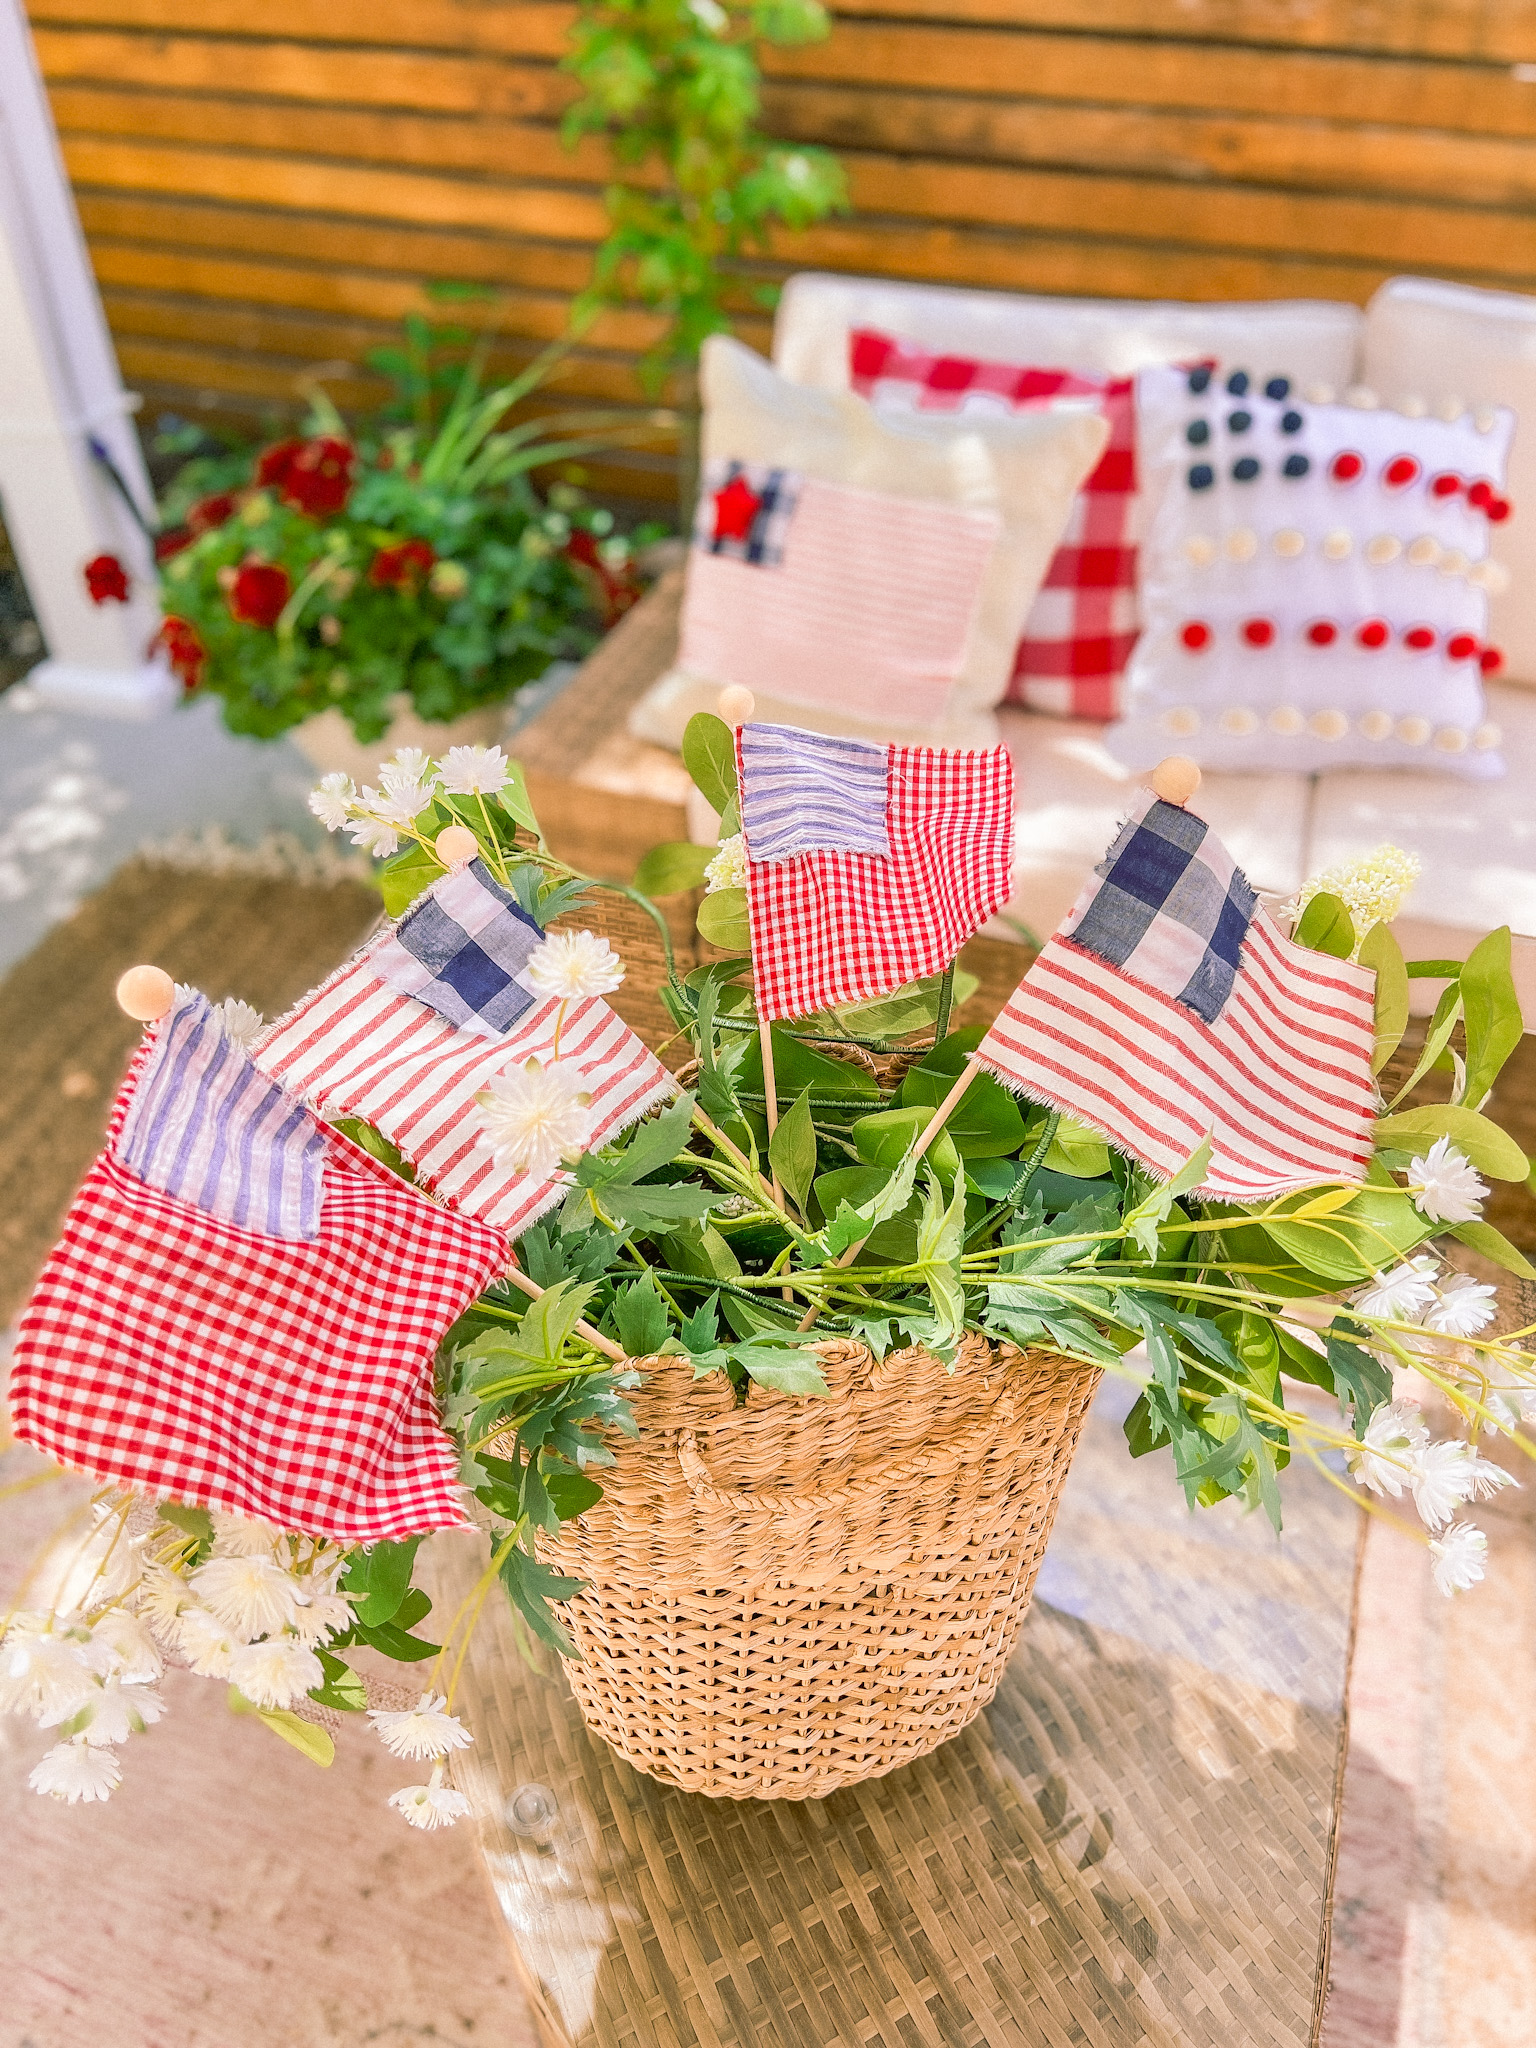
(1175, 779)
(454, 845)
(146, 993)
(736, 704)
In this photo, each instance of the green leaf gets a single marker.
(1491, 1009)
(341, 1688)
(1145, 1220)
(1441, 1025)
(1325, 926)
(1377, 1226)
(1493, 1244)
(1360, 1380)
(670, 869)
(533, 1587)
(723, 919)
(709, 755)
(571, 1493)
(191, 1521)
(1490, 1150)
(786, 1372)
(404, 875)
(378, 1580)
(1078, 1151)
(1379, 950)
(656, 1142)
(541, 1336)
(797, 1065)
(885, 1139)
(306, 1737)
(640, 1316)
(642, 1208)
(792, 1149)
(986, 1123)
(514, 799)
(396, 1642)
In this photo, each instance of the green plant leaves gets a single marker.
(341, 1687)
(377, 1579)
(403, 877)
(709, 755)
(1326, 927)
(1078, 1151)
(885, 1139)
(1493, 1244)
(723, 920)
(640, 1317)
(307, 1737)
(1491, 1011)
(1379, 950)
(792, 1149)
(571, 1494)
(670, 869)
(1490, 1150)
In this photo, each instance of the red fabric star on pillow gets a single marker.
(736, 506)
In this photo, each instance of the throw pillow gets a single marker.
(1082, 626)
(1313, 584)
(862, 574)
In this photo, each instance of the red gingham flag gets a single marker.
(1083, 625)
(867, 867)
(1169, 1007)
(355, 1047)
(167, 1349)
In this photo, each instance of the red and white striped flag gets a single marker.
(1169, 1007)
(867, 867)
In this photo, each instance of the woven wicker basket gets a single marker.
(788, 1597)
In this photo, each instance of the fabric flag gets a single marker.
(460, 949)
(1169, 1007)
(830, 595)
(185, 1347)
(867, 867)
(358, 1047)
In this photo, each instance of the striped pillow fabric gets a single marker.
(1082, 626)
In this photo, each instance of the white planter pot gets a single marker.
(329, 743)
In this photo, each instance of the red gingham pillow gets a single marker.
(1081, 629)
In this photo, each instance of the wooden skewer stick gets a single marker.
(771, 1101)
(595, 1338)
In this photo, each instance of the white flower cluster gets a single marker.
(425, 1730)
(534, 1116)
(407, 784)
(728, 869)
(1371, 888)
(1445, 1186)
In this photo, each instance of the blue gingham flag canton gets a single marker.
(1171, 908)
(207, 1126)
(745, 510)
(460, 950)
(802, 792)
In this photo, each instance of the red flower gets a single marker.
(208, 513)
(403, 566)
(258, 593)
(314, 477)
(617, 589)
(184, 650)
(106, 579)
(172, 542)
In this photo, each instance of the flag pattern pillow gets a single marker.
(1082, 627)
(177, 1344)
(1315, 581)
(1169, 1008)
(867, 867)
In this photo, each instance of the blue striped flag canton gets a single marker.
(804, 792)
(1171, 909)
(206, 1126)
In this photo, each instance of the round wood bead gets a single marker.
(454, 845)
(736, 704)
(1175, 779)
(145, 993)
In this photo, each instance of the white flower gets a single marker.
(111, 1714)
(122, 1647)
(332, 802)
(275, 1673)
(1382, 1460)
(403, 805)
(1460, 1557)
(426, 1730)
(162, 1597)
(375, 836)
(1371, 889)
(253, 1595)
(77, 1770)
(728, 869)
(534, 1116)
(235, 1536)
(429, 1806)
(42, 1672)
(475, 771)
(1403, 1295)
(1445, 1186)
(1463, 1308)
(238, 1021)
(324, 1615)
(410, 770)
(571, 965)
(206, 1643)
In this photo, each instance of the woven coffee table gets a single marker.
(1132, 1845)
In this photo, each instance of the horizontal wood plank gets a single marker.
(516, 28)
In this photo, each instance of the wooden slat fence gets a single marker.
(268, 188)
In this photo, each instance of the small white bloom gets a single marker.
(122, 1647)
(1403, 1295)
(572, 965)
(42, 1672)
(710, 15)
(77, 1770)
(238, 1021)
(429, 1806)
(534, 1116)
(1383, 1458)
(236, 1536)
(375, 836)
(332, 802)
(1460, 1558)
(207, 1644)
(1371, 889)
(1443, 1479)
(1464, 1307)
(162, 1597)
(275, 1673)
(410, 770)
(254, 1596)
(111, 1714)
(324, 1615)
(404, 805)
(475, 771)
(426, 1730)
(728, 869)
(1445, 1186)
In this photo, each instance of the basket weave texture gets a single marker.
(789, 1597)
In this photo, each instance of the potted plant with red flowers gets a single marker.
(355, 585)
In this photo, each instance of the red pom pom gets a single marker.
(402, 566)
(1419, 638)
(1347, 467)
(1445, 485)
(1259, 632)
(1196, 636)
(1480, 494)
(1498, 510)
(1401, 471)
(257, 593)
(1322, 632)
(106, 580)
(1461, 646)
(1374, 633)
(1490, 661)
